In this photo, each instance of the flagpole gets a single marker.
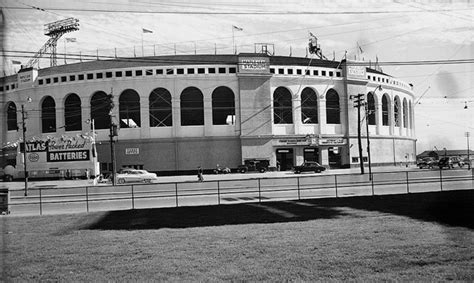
(142, 44)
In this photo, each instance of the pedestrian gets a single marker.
(96, 179)
(199, 173)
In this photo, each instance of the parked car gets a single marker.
(309, 166)
(221, 170)
(449, 162)
(127, 175)
(458, 160)
(250, 165)
(426, 162)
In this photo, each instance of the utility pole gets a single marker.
(113, 132)
(468, 134)
(359, 100)
(367, 113)
(24, 147)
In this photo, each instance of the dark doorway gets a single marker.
(334, 157)
(311, 154)
(284, 158)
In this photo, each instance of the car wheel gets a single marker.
(121, 181)
(297, 172)
(243, 170)
(262, 170)
(317, 171)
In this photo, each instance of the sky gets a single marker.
(388, 31)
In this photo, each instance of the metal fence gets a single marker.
(47, 200)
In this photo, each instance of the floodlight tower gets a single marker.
(54, 30)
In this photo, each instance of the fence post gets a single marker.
(87, 198)
(408, 188)
(335, 184)
(176, 191)
(298, 182)
(218, 193)
(259, 192)
(441, 178)
(133, 199)
(41, 204)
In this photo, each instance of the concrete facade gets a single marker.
(253, 132)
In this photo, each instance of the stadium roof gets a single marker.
(206, 59)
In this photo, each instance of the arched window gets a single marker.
(405, 113)
(12, 123)
(309, 106)
(160, 108)
(223, 106)
(397, 110)
(371, 108)
(129, 109)
(385, 116)
(99, 112)
(333, 110)
(72, 113)
(192, 107)
(48, 115)
(282, 110)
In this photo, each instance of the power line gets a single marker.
(170, 59)
(241, 12)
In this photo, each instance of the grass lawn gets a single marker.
(412, 237)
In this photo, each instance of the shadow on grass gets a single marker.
(453, 208)
(199, 216)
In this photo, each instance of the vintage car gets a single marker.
(449, 162)
(128, 175)
(309, 166)
(221, 170)
(426, 162)
(250, 165)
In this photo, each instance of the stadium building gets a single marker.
(175, 113)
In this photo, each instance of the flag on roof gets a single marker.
(146, 30)
(237, 28)
(14, 62)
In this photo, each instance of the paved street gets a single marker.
(20, 185)
(52, 197)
